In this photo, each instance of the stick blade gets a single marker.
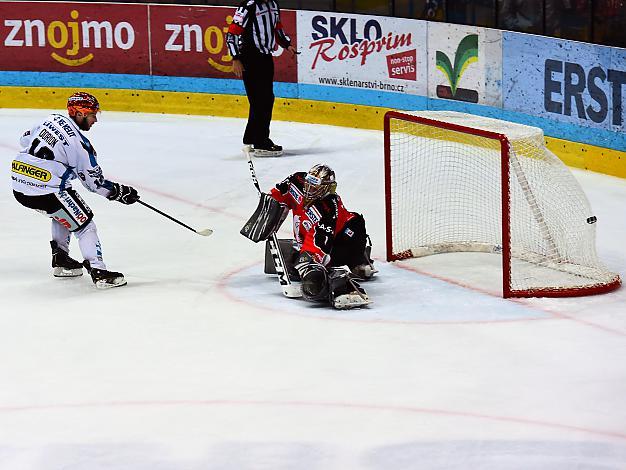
(205, 233)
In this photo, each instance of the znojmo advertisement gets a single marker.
(184, 41)
(74, 37)
(364, 52)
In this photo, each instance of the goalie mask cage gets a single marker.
(455, 182)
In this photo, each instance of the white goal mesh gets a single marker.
(457, 182)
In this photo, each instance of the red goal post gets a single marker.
(456, 182)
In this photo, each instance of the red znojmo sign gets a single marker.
(74, 37)
(191, 42)
(114, 38)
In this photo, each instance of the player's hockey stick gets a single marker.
(289, 289)
(206, 232)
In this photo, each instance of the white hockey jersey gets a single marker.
(55, 152)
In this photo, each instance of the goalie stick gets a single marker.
(205, 233)
(289, 289)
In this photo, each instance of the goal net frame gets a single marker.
(506, 167)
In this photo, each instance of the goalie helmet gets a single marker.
(319, 182)
(82, 102)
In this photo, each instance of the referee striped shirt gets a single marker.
(256, 23)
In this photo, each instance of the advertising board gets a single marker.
(363, 52)
(190, 41)
(465, 63)
(74, 37)
(565, 81)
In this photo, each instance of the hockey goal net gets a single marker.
(455, 182)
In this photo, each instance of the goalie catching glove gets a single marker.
(122, 193)
(267, 219)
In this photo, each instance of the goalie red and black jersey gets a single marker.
(314, 226)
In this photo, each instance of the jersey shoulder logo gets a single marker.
(313, 214)
(295, 193)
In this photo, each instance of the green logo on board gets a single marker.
(466, 54)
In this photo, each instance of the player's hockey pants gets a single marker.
(69, 213)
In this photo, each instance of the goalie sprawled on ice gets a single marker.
(330, 250)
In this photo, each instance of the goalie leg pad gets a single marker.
(267, 219)
(314, 281)
(290, 255)
(344, 291)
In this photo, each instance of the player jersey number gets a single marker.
(43, 151)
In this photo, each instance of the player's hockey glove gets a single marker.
(122, 193)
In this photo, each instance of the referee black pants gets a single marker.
(258, 78)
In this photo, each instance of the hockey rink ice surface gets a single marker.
(200, 363)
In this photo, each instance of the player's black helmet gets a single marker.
(319, 182)
(82, 102)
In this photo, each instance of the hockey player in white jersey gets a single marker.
(54, 153)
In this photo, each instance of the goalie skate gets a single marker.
(364, 271)
(104, 279)
(352, 300)
(345, 292)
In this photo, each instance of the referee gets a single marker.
(251, 38)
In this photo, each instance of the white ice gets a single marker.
(200, 362)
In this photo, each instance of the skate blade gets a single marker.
(110, 283)
(65, 272)
(267, 153)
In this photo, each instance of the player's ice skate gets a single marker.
(267, 149)
(104, 279)
(63, 265)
